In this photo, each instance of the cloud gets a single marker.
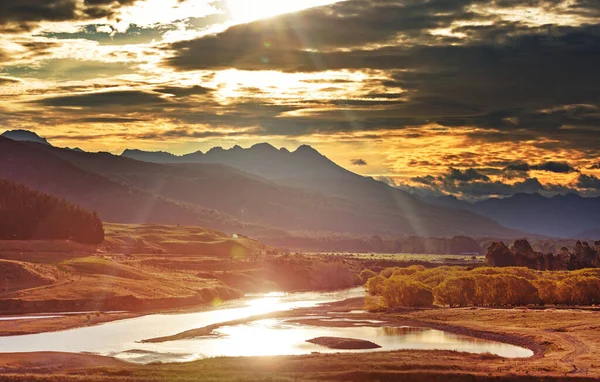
(473, 184)
(358, 162)
(24, 14)
(70, 69)
(467, 175)
(6, 81)
(503, 77)
(108, 120)
(105, 34)
(123, 98)
(428, 180)
(588, 182)
(153, 135)
(550, 166)
(184, 91)
(387, 180)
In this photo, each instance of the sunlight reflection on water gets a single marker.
(258, 338)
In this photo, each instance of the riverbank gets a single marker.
(565, 342)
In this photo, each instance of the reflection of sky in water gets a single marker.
(263, 337)
(278, 337)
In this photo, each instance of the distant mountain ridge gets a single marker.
(261, 159)
(565, 216)
(36, 166)
(307, 169)
(318, 196)
(24, 136)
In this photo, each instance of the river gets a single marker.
(122, 338)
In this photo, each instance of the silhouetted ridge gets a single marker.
(307, 150)
(263, 147)
(24, 136)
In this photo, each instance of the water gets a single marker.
(21, 318)
(257, 338)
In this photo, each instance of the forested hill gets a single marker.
(26, 214)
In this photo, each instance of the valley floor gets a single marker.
(143, 269)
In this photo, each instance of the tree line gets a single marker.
(26, 214)
(416, 286)
(522, 254)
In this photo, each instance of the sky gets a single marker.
(471, 98)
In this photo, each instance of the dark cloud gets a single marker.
(428, 180)
(473, 184)
(550, 166)
(24, 14)
(467, 175)
(595, 166)
(115, 99)
(358, 162)
(184, 91)
(588, 182)
(513, 80)
(6, 81)
(497, 188)
(475, 189)
(556, 167)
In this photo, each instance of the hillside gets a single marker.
(26, 214)
(563, 216)
(354, 204)
(152, 267)
(29, 164)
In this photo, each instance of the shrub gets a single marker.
(510, 286)
(365, 275)
(375, 285)
(401, 291)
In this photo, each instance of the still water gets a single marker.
(263, 337)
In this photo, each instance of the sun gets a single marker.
(249, 10)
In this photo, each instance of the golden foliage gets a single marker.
(485, 286)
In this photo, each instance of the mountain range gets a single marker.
(263, 190)
(563, 216)
(258, 191)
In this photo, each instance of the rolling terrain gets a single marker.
(152, 267)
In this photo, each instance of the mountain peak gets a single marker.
(25, 136)
(306, 149)
(264, 147)
(216, 149)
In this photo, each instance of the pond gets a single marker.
(121, 339)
